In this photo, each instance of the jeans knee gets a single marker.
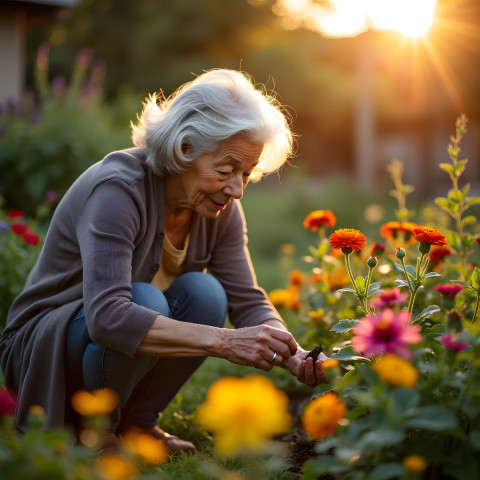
(149, 296)
(205, 297)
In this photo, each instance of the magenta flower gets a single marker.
(8, 401)
(453, 345)
(389, 297)
(387, 332)
(448, 290)
(51, 197)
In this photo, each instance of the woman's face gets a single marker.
(213, 179)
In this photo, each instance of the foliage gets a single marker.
(19, 248)
(413, 412)
(52, 135)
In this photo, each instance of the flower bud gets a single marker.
(424, 248)
(372, 262)
(400, 253)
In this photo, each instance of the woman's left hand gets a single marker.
(306, 370)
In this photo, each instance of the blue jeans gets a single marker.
(145, 384)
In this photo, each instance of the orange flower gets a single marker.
(392, 230)
(348, 238)
(319, 218)
(98, 402)
(429, 235)
(321, 416)
(437, 254)
(149, 448)
(297, 278)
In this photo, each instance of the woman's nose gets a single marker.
(235, 187)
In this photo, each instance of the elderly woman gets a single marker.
(144, 258)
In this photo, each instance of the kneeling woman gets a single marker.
(120, 296)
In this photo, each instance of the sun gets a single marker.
(412, 18)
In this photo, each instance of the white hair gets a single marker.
(203, 113)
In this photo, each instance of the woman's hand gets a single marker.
(306, 369)
(257, 346)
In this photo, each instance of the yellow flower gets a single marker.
(321, 416)
(98, 402)
(116, 468)
(414, 464)
(149, 448)
(281, 298)
(396, 371)
(330, 363)
(317, 316)
(243, 413)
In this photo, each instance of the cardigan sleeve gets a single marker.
(248, 304)
(107, 229)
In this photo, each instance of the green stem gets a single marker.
(349, 270)
(476, 307)
(367, 286)
(406, 276)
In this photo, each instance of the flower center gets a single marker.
(384, 331)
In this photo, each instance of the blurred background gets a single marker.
(364, 81)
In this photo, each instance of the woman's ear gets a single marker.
(186, 149)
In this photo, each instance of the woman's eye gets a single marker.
(223, 173)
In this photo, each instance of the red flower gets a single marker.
(31, 238)
(19, 228)
(319, 218)
(437, 254)
(348, 238)
(14, 214)
(393, 229)
(448, 290)
(8, 402)
(377, 249)
(430, 236)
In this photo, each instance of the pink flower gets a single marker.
(389, 298)
(51, 197)
(453, 345)
(385, 332)
(8, 401)
(448, 290)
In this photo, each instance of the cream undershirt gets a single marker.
(172, 264)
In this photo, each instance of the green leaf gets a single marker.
(344, 325)
(379, 437)
(429, 311)
(463, 284)
(465, 190)
(360, 284)
(452, 239)
(474, 438)
(447, 167)
(455, 196)
(400, 283)
(446, 204)
(470, 220)
(404, 399)
(386, 471)
(476, 279)
(349, 379)
(433, 417)
(321, 389)
(432, 274)
(347, 353)
(472, 200)
(351, 290)
(459, 168)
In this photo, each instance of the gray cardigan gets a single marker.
(106, 233)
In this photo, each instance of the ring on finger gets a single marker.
(273, 358)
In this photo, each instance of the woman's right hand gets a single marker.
(256, 346)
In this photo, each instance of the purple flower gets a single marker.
(51, 197)
(8, 401)
(385, 332)
(4, 226)
(389, 298)
(453, 345)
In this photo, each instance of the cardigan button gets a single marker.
(160, 235)
(156, 266)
